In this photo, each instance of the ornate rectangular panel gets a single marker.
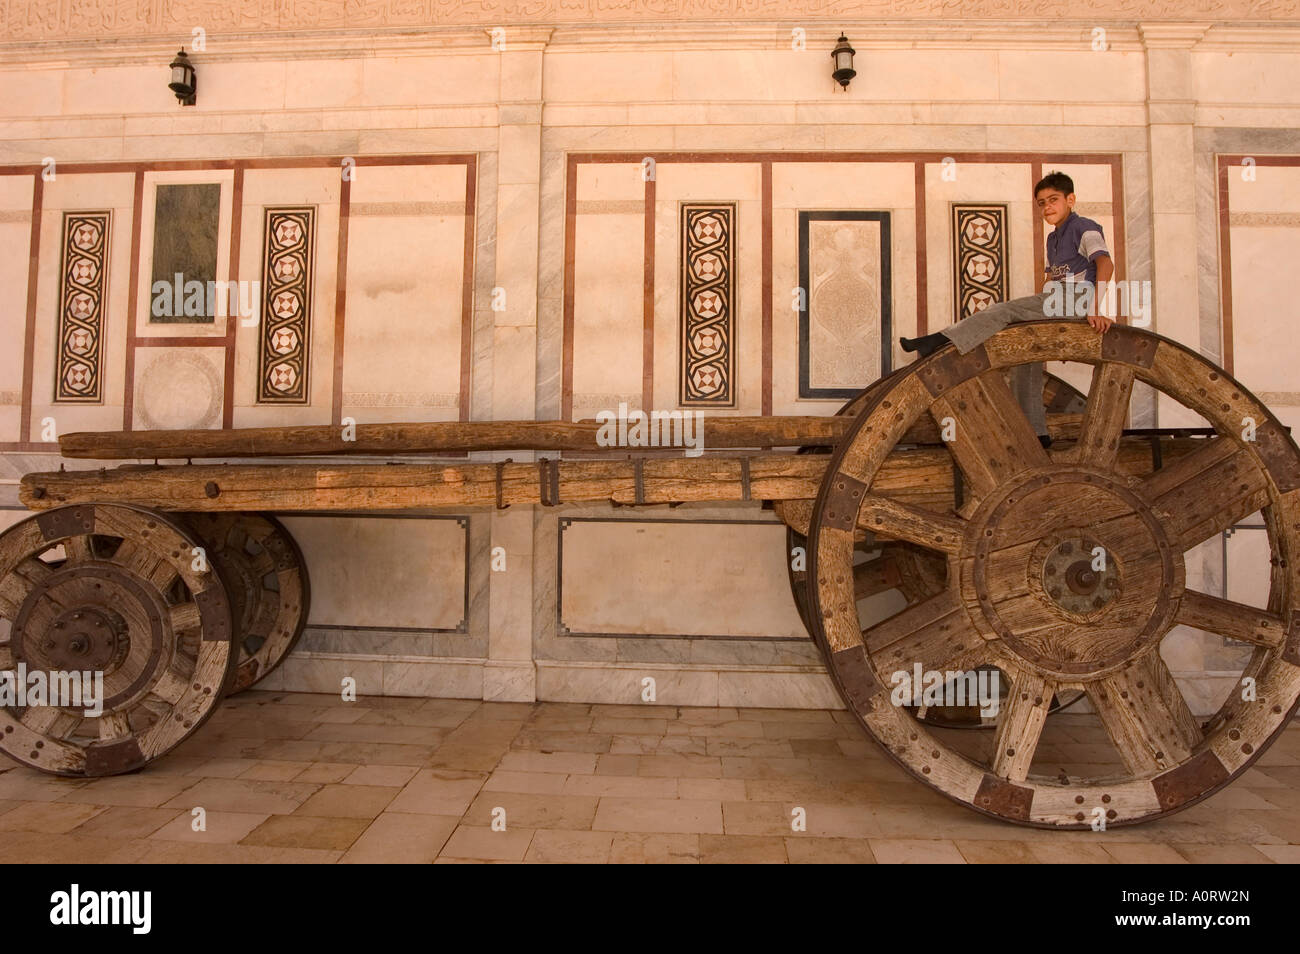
(83, 283)
(288, 268)
(186, 223)
(708, 305)
(845, 318)
(979, 256)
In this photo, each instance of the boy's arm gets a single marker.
(1101, 315)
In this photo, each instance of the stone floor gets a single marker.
(288, 777)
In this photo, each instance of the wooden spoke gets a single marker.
(1246, 624)
(900, 521)
(170, 687)
(1103, 421)
(1146, 716)
(935, 633)
(875, 576)
(78, 549)
(113, 725)
(184, 616)
(1208, 491)
(50, 721)
(993, 439)
(16, 587)
(1020, 723)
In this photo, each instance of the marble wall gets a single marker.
(505, 256)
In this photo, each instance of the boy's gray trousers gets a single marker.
(1026, 379)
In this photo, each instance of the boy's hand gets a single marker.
(1100, 323)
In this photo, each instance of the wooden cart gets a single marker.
(934, 471)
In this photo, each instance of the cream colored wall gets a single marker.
(1153, 97)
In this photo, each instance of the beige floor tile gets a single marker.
(1140, 853)
(617, 765)
(810, 850)
(393, 776)
(996, 852)
(641, 848)
(1213, 854)
(175, 852)
(24, 784)
(432, 792)
(266, 770)
(526, 810)
(349, 801)
(243, 795)
(1282, 854)
(305, 831)
(126, 822)
(323, 773)
(141, 791)
(741, 850)
(566, 763)
(633, 787)
(680, 766)
(1071, 854)
(221, 828)
(54, 818)
(475, 842)
(724, 789)
(892, 851)
(688, 816)
(224, 768)
(396, 838)
(757, 818)
(539, 783)
(557, 846)
(30, 847)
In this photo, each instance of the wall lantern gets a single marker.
(184, 80)
(843, 57)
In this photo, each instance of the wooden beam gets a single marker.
(429, 438)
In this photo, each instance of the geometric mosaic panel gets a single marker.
(708, 303)
(979, 256)
(83, 278)
(288, 265)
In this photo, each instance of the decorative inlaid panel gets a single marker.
(846, 319)
(83, 280)
(979, 257)
(288, 264)
(708, 302)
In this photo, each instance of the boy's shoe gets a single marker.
(1045, 440)
(926, 345)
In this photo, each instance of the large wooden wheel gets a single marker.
(111, 589)
(914, 572)
(266, 579)
(1024, 595)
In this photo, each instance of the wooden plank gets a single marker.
(448, 436)
(1020, 723)
(1246, 624)
(918, 477)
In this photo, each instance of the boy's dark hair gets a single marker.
(1057, 181)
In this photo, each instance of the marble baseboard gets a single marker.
(429, 677)
(793, 687)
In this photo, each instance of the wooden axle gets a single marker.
(919, 477)
(429, 438)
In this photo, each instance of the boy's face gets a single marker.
(1054, 205)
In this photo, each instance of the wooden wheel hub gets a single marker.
(85, 638)
(1068, 602)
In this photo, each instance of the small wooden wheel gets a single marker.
(109, 589)
(266, 578)
(1064, 572)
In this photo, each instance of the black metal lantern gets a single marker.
(184, 80)
(843, 57)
